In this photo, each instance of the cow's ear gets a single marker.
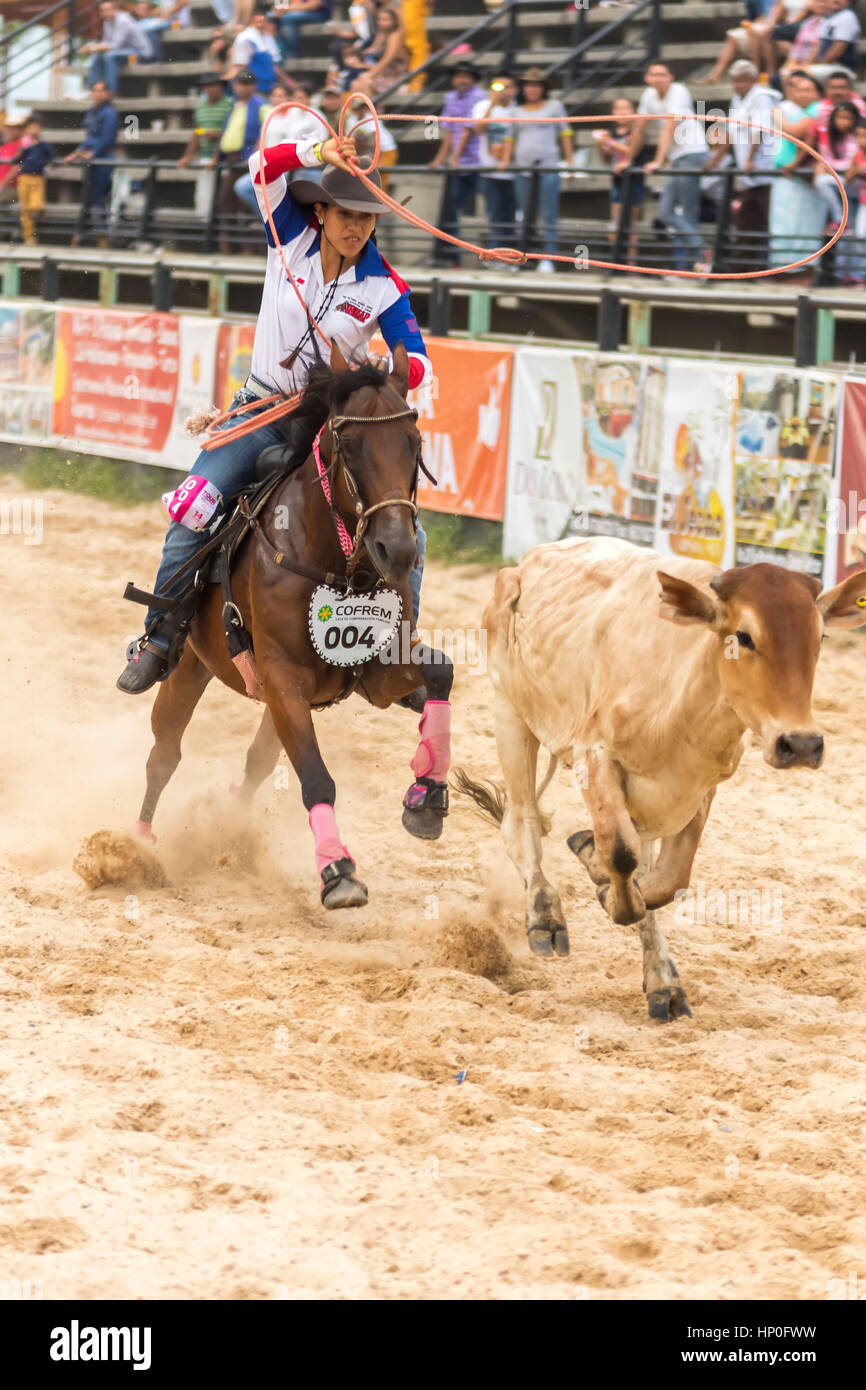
(845, 605)
(682, 602)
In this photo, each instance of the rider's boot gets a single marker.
(154, 656)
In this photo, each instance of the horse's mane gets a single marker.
(325, 391)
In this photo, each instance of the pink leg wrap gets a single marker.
(433, 756)
(142, 831)
(323, 824)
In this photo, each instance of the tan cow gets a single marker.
(648, 671)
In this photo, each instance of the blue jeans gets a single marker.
(231, 469)
(458, 196)
(548, 207)
(105, 67)
(245, 191)
(291, 26)
(679, 209)
(224, 10)
(154, 29)
(499, 204)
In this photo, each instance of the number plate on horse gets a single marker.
(348, 629)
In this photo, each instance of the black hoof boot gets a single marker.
(340, 888)
(425, 807)
(144, 667)
(416, 701)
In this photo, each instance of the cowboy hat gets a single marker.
(534, 75)
(340, 188)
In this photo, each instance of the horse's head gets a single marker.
(372, 446)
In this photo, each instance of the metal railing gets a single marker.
(497, 36)
(75, 17)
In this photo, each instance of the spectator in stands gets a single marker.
(415, 14)
(839, 33)
(851, 262)
(256, 51)
(387, 57)
(752, 141)
(838, 88)
(155, 17)
(797, 213)
(359, 125)
(235, 14)
(459, 147)
(750, 39)
(36, 154)
(211, 113)
(774, 47)
(289, 127)
(837, 144)
(13, 140)
(101, 124)
(537, 143)
(237, 142)
(347, 58)
(122, 38)
(329, 101)
(612, 145)
(686, 144)
(497, 107)
(292, 15)
(806, 45)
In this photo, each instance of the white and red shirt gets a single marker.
(369, 297)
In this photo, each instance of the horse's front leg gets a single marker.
(425, 804)
(290, 709)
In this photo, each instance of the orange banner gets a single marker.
(463, 415)
(233, 363)
(115, 377)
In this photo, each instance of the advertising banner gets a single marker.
(784, 448)
(846, 520)
(463, 416)
(622, 420)
(545, 457)
(26, 373)
(115, 379)
(695, 513)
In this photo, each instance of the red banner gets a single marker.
(849, 523)
(116, 377)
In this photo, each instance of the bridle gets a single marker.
(351, 546)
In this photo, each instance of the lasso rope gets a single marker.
(274, 407)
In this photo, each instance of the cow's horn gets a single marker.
(716, 582)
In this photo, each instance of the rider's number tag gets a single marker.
(348, 629)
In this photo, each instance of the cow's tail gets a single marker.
(490, 797)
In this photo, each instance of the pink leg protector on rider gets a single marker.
(433, 756)
(323, 824)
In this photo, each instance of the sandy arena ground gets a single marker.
(214, 1089)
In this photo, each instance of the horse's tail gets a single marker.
(490, 797)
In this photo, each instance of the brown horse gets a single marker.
(370, 447)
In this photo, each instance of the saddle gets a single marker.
(212, 564)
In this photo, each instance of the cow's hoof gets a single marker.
(340, 887)
(540, 941)
(582, 843)
(668, 1002)
(549, 940)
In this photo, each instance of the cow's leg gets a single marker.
(665, 996)
(172, 710)
(612, 852)
(521, 830)
(262, 756)
(672, 869)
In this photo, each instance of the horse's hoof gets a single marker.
(560, 941)
(667, 1003)
(349, 892)
(425, 807)
(340, 888)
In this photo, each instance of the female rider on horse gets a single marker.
(349, 289)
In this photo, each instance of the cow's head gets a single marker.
(769, 623)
